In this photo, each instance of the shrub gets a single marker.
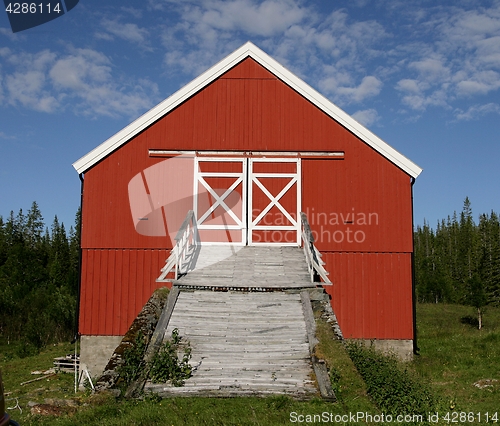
(391, 385)
(166, 365)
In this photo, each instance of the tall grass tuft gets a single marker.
(391, 385)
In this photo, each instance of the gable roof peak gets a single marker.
(246, 50)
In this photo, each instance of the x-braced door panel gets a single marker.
(274, 194)
(220, 200)
(248, 200)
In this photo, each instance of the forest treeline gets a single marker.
(459, 261)
(38, 279)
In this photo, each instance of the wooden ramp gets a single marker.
(251, 267)
(247, 315)
(243, 344)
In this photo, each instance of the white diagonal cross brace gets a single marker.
(219, 201)
(274, 201)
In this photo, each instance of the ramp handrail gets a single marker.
(313, 256)
(186, 238)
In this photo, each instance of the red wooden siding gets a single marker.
(248, 108)
(115, 286)
(369, 257)
(371, 294)
(232, 114)
(372, 194)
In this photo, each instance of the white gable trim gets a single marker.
(247, 50)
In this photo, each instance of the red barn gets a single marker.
(248, 146)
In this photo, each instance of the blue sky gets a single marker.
(422, 75)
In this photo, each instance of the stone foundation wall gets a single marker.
(95, 352)
(403, 349)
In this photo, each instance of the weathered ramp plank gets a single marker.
(243, 344)
(248, 267)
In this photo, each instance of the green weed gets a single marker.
(166, 365)
(391, 385)
(454, 355)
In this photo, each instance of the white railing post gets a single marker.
(312, 254)
(185, 239)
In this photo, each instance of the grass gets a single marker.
(454, 355)
(16, 371)
(106, 410)
(350, 389)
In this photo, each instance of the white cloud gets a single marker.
(331, 52)
(87, 75)
(420, 102)
(488, 51)
(209, 29)
(136, 13)
(467, 27)
(431, 70)
(75, 71)
(335, 37)
(433, 56)
(7, 32)
(481, 83)
(82, 80)
(31, 61)
(462, 62)
(409, 86)
(107, 100)
(4, 135)
(27, 89)
(370, 86)
(126, 31)
(27, 85)
(103, 36)
(476, 111)
(366, 117)
(154, 5)
(265, 19)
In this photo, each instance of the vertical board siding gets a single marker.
(371, 294)
(285, 122)
(248, 108)
(374, 196)
(115, 286)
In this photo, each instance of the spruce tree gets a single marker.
(489, 265)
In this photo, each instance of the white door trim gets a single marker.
(199, 178)
(247, 177)
(295, 182)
